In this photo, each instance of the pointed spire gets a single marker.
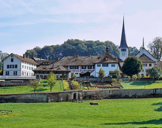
(143, 43)
(123, 43)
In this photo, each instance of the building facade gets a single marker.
(16, 65)
(147, 59)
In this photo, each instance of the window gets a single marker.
(150, 65)
(89, 67)
(83, 67)
(106, 58)
(113, 65)
(66, 67)
(22, 73)
(11, 66)
(12, 60)
(104, 65)
(74, 67)
(123, 50)
(15, 65)
(8, 66)
(143, 70)
(7, 73)
(15, 73)
(144, 65)
(98, 65)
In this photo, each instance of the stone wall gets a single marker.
(81, 95)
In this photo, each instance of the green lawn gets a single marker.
(141, 84)
(109, 113)
(27, 89)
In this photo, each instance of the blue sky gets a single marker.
(25, 24)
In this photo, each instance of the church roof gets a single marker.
(146, 59)
(123, 43)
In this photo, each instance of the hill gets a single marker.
(75, 46)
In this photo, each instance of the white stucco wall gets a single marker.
(27, 69)
(123, 57)
(16, 61)
(20, 67)
(106, 69)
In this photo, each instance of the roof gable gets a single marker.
(146, 59)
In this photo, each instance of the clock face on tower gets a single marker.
(123, 53)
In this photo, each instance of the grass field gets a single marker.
(109, 113)
(141, 84)
(27, 89)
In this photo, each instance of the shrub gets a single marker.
(134, 77)
(66, 85)
(74, 76)
(114, 80)
(115, 73)
(75, 85)
(120, 80)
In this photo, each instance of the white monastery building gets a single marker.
(16, 65)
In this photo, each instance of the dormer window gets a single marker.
(12, 60)
(106, 58)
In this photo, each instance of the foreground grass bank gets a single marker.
(109, 113)
(27, 89)
(141, 84)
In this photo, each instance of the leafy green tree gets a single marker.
(132, 65)
(74, 76)
(73, 47)
(101, 74)
(155, 47)
(51, 80)
(154, 72)
(35, 84)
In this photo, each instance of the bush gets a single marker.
(120, 80)
(115, 74)
(74, 76)
(114, 80)
(134, 77)
(66, 85)
(75, 85)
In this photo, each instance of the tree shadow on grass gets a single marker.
(159, 121)
(141, 83)
(160, 108)
(41, 89)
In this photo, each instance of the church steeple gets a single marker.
(123, 48)
(143, 43)
(123, 43)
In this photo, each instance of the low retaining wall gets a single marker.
(80, 95)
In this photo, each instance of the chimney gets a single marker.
(77, 55)
(107, 50)
(24, 56)
(27, 56)
(74, 55)
(58, 58)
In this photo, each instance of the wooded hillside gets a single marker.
(74, 46)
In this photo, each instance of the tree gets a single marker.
(51, 80)
(155, 47)
(34, 84)
(132, 66)
(154, 72)
(74, 76)
(101, 74)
